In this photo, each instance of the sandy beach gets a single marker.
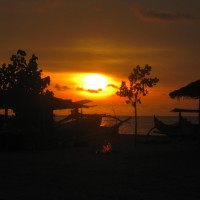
(156, 168)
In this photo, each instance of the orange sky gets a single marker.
(74, 38)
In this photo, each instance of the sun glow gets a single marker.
(95, 82)
(82, 85)
(94, 85)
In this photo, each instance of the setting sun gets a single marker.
(95, 82)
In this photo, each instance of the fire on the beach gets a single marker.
(106, 148)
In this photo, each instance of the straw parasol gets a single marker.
(191, 90)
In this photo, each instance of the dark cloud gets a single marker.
(113, 86)
(80, 89)
(94, 91)
(161, 16)
(61, 88)
(88, 90)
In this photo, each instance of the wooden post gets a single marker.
(6, 113)
(180, 116)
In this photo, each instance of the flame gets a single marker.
(107, 148)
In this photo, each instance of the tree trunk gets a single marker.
(135, 138)
(199, 126)
(199, 113)
(198, 132)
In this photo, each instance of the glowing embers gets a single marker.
(106, 148)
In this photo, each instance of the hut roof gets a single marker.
(50, 102)
(184, 110)
(55, 103)
(191, 90)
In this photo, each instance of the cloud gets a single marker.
(161, 16)
(61, 88)
(43, 6)
(79, 89)
(15, 8)
(113, 86)
(53, 2)
(94, 91)
(24, 7)
(88, 90)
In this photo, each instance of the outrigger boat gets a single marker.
(89, 122)
(83, 122)
(183, 128)
(78, 122)
(168, 129)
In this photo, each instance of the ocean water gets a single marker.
(145, 123)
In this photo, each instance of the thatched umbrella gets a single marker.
(191, 90)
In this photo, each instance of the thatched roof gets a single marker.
(191, 90)
(55, 103)
(184, 110)
(48, 102)
(58, 104)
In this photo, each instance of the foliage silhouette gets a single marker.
(139, 82)
(21, 87)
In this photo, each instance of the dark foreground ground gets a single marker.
(155, 169)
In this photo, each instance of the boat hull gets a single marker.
(183, 128)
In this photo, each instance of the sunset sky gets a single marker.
(76, 38)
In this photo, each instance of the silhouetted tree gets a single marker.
(21, 84)
(139, 82)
